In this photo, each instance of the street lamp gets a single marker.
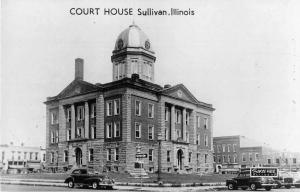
(159, 138)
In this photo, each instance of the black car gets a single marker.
(244, 181)
(83, 178)
(283, 182)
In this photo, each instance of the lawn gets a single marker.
(124, 177)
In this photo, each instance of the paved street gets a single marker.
(9, 187)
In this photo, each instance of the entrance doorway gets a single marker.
(179, 159)
(78, 154)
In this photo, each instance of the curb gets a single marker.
(60, 183)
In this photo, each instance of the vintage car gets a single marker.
(83, 178)
(284, 179)
(244, 181)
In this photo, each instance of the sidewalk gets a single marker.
(60, 183)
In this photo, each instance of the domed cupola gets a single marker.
(133, 54)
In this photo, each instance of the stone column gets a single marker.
(126, 117)
(100, 116)
(195, 126)
(172, 122)
(73, 129)
(62, 123)
(184, 124)
(86, 119)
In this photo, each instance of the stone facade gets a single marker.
(103, 126)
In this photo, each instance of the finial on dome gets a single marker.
(133, 24)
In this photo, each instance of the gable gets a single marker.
(77, 87)
(180, 92)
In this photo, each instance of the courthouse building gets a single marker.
(103, 126)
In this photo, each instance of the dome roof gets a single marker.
(133, 37)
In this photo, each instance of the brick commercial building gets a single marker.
(103, 126)
(234, 152)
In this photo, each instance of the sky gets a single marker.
(240, 56)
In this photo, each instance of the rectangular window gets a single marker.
(93, 110)
(168, 156)
(223, 148)
(137, 130)
(198, 121)
(219, 148)
(116, 154)
(69, 116)
(80, 113)
(138, 108)
(219, 159)
(277, 161)
(256, 156)
(243, 157)
(178, 116)
(150, 132)
(166, 134)
(52, 137)
(229, 159)
(234, 158)
(269, 161)
(56, 136)
(228, 147)
(205, 123)
(91, 154)
(198, 158)
(94, 132)
(109, 130)
(117, 107)
(68, 134)
(187, 118)
(190, 157)
(36, 155)
(54, 118)
(66, 156)
(52, 157)
(166, 114)
(198, 139)
(224, 159)
(25, 156)
(206, 140)
(150, 110)
(79, 133)
(250, 156)
(150, 154)
(109, 108)
(205, 158)
(117, 129)
(294, 160)
(109, 154)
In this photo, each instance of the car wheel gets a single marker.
(288, 186)
(268, 188)
(94, 185)
(231, 186)
(253, 186)
(71, 184)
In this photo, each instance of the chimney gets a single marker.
(79, 69)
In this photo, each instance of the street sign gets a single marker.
(263, 172)
(141, 156)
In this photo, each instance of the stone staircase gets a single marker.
(138, 173)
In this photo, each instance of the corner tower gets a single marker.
(133, 54)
